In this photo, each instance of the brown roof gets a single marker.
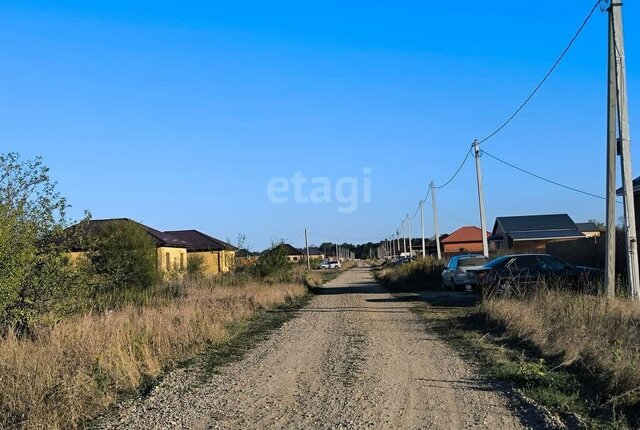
(465, 234)
(160, 238)
(198, 241)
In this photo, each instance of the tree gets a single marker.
(273, 263)
(35, 279)
(599, 224)
(124, 257)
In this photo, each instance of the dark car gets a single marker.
(521, 273)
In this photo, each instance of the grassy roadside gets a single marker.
(565, 391)
(573, 356)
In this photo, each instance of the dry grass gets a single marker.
(414, 276)
(74, 370)
(602, 336)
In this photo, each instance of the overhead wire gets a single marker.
(544, 79)
(542, 178)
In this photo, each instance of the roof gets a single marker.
(160, 238)
(291, 250)
(533, 227)
(315, 251)
(465, 234)
(198, 241)
(636, 187)
(587, 226)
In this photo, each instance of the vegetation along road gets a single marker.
(356, 357)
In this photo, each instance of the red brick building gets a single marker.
(467, 239)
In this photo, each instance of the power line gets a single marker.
(551, 70)
(541, 177)
(466, 157)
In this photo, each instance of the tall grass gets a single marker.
(68, 373)
(414, 276)
(599, 335)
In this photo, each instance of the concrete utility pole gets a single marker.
(615, 14)
(435, 219)
(424, 248)
(306, 244)
(612, 152)
(404, 237)
(337, 258)
(398, 241)
(483, 218)
(410, 239)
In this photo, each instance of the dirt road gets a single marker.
(355, 358)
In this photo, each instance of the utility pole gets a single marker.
(410, 239)
(615, 14)
(483, 218)
(337, 258)
(398, 240)
(393, 247)
(404, 237)
(435, 218)
(306, 244)
(609, 286)
(424, 248)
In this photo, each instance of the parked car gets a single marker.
(520, 273)
(330, 265)
(454, 276)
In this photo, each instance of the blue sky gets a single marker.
(178, 114)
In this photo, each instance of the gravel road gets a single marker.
(355, 358)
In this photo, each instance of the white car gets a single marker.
(330, 265)
(455, 275)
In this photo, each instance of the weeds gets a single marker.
(68, 373)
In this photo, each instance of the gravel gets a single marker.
(355, 358)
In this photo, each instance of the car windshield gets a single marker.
(473, 261)
(498, 262)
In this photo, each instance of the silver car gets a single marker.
(455, 275)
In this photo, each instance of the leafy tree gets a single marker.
(273, 263)
(35, 279)
(124, 257)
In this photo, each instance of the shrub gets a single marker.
(124, 257)
(195, 265)
(416, 275)
(35, 280)
(273, 263)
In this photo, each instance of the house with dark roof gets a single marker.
(531, 233)
(172, 250)
(217, 256)
(467, 239)
(316, 253)
(589, 229)
(293, 254)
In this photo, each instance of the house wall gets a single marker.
(171, 259)
(462, 247)
(534, 245)
(216, 262)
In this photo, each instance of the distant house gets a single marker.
(293, 254)
(172, 251)
(532, 232)
(218, 256)
(316, 253)
(589, 229)
(467, 239)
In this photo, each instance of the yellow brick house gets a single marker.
(172, 251)
(218, 256)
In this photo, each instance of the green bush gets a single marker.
(124, 257)
(36, 281)
(195, 265)
(273, 264)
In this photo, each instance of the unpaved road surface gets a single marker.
(355, 358)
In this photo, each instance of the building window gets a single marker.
(168, 260)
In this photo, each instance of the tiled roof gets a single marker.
(198, 241)
(464, 235)
(160, 238)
